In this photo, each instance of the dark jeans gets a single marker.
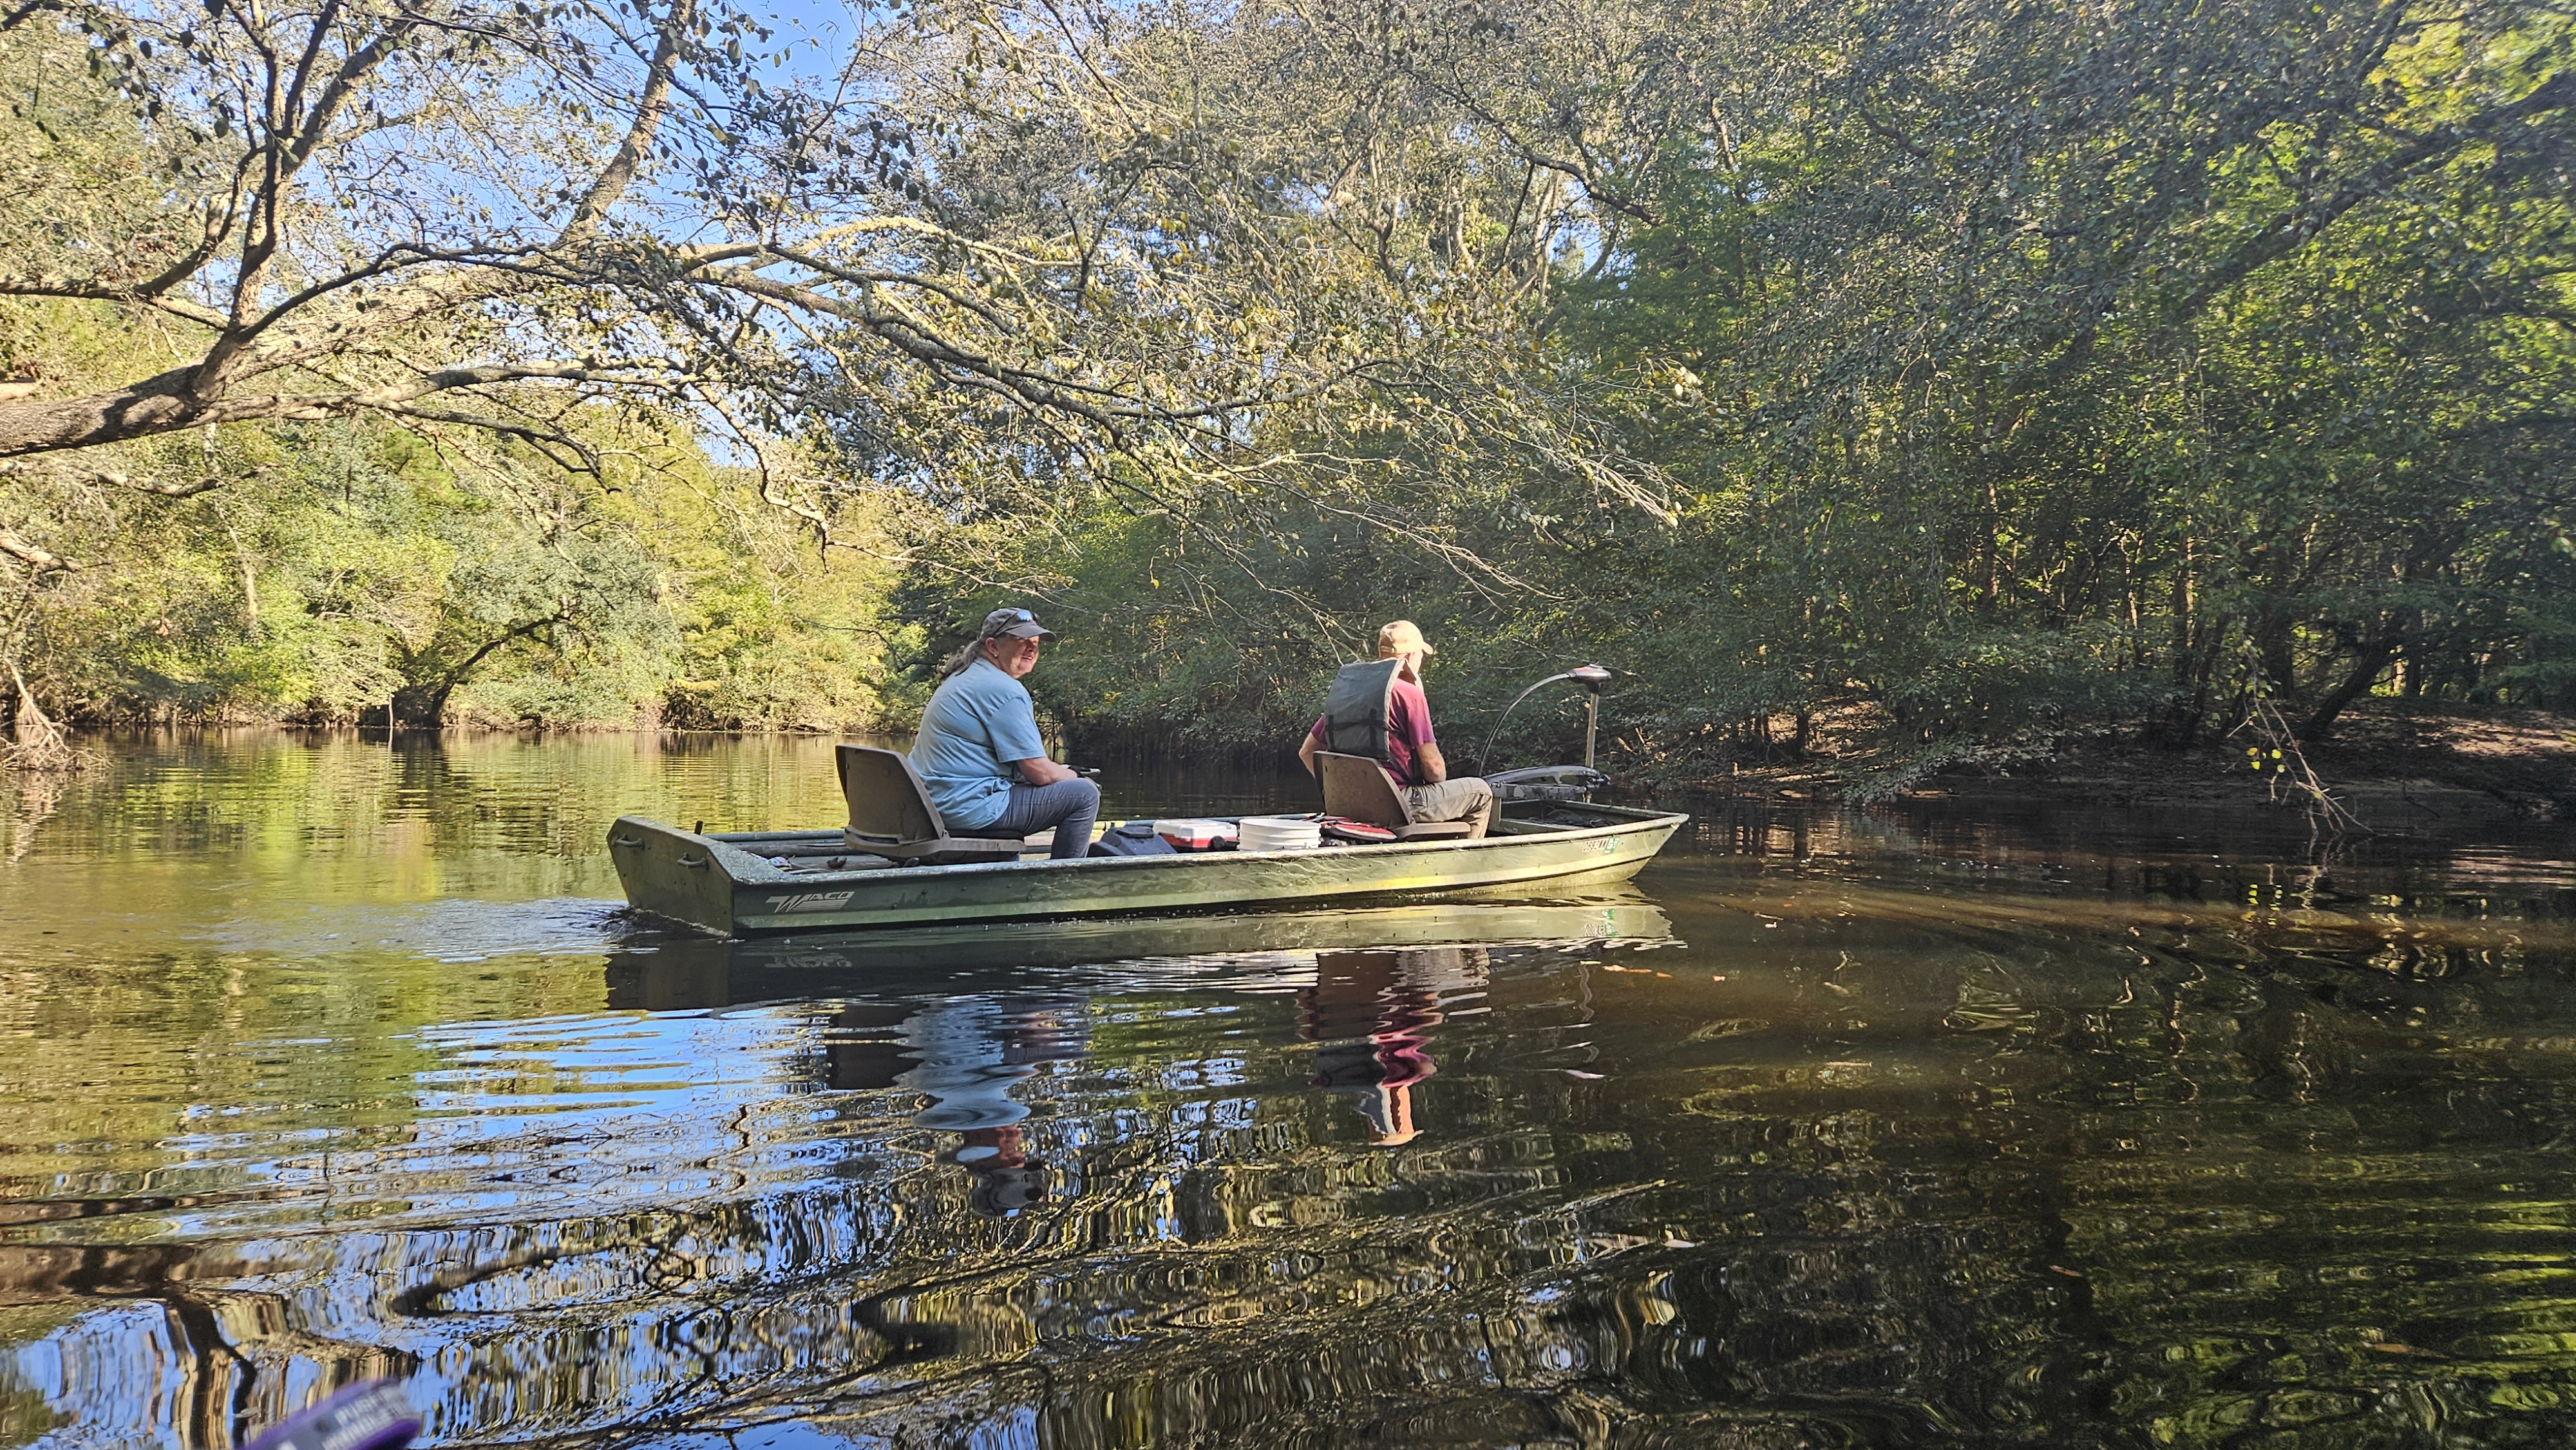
(1068, 805)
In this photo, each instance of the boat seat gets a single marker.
(891, 814)
(1356, 789)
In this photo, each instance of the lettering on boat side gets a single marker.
(810, 901)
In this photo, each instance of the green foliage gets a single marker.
(1976, 375)
(357, 569)
(350, 569)
(1992, 374)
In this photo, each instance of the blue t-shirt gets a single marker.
(978, 722)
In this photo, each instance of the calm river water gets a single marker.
(321, 1060)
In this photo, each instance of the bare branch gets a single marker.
(619, 173)
(156, 487)
(35, 559)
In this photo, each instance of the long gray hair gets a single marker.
(967, 654)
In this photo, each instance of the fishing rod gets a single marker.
(1591, 677)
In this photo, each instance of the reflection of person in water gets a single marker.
(965, 1055)
(1372, 1012)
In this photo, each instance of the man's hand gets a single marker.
(1038, 770)
(1428, 767)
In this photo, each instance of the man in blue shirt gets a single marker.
(979, 750)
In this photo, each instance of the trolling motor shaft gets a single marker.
(1591, 677)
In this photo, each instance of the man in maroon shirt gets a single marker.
(1413, 760)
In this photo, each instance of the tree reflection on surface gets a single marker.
(1882, 1130)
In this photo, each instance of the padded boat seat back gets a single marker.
(891, 814)
(1356, 789)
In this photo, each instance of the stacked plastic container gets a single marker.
(1281, 833)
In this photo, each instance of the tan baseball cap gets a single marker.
(1400, 637)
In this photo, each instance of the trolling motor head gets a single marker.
(1590, 677)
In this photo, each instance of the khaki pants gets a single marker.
(1466, 798)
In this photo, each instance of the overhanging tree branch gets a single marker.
(2294, 227)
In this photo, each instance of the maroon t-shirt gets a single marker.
(1408, 729)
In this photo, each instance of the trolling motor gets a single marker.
(1552, 782)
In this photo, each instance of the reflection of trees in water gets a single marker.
(888, 1254)
(2071, 1191)
(193, 1378)
(1908, 1190)
(522, 817)
(2306, 1187)
(38, 793)
(1508, 1275)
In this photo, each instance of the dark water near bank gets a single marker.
(324, 1061)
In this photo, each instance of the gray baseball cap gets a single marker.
(1015, 624)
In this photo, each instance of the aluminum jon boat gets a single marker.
(763, 882)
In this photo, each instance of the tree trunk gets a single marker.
(168, 404)
(418, 705)
(2203, 662)
(2272, 642)
(424, 702)
(2366, 666)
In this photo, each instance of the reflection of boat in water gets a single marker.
(764, 882)
(1371, 1015)
(967, 1059)
(965, 1016)
(1272, 951)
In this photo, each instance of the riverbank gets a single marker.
(2389, 766)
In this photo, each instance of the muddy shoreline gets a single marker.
(2391, 768)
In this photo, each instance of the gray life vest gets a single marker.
(1357, 710)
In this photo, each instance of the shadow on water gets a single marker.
(1912, 1128)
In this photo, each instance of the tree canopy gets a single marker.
(2000, 369)
(1990, 370)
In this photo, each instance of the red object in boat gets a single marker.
(1359, 833)
(1194, 835)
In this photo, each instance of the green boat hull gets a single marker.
(726, 884)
